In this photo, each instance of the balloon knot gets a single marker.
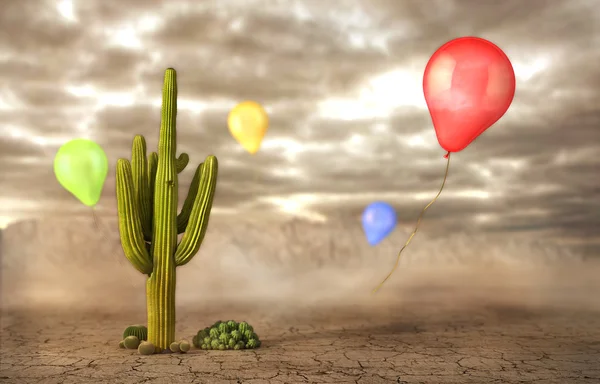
(446, 155)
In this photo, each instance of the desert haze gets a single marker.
(71, 262)
(464, 308)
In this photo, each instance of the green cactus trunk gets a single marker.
(160, 288)
(161, 322)
(147, 194)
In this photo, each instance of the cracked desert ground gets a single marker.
(504, 317)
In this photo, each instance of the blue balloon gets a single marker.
(378, 221)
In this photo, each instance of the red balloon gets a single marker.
(469, 83)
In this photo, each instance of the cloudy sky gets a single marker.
(341, 81)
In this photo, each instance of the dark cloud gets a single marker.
(100, 75)
(101, 70)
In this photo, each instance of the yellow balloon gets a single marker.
(248, 123)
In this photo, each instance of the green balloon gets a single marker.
(81, 167)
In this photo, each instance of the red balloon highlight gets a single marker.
(469, 84)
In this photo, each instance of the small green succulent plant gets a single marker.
(224, 335)
(139, 331)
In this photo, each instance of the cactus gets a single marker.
(224, 338)
(147, 193)
(139, 331)
(243, 327)
(236, 335)
(234, 339)
(231, 343)
(202, 334)
(224, 328)
(214, 333)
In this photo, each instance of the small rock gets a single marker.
(184, 346)
(146, 348)
(131, 342)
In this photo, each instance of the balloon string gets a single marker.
(95, 218)
(447, 156)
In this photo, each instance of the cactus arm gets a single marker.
(188, 204)
(152, 164)
(198, 222)
(139, 166)
(182, 162)
(130, 228)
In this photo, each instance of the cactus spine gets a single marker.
(148, 220)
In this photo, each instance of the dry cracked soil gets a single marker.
(420, 341)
